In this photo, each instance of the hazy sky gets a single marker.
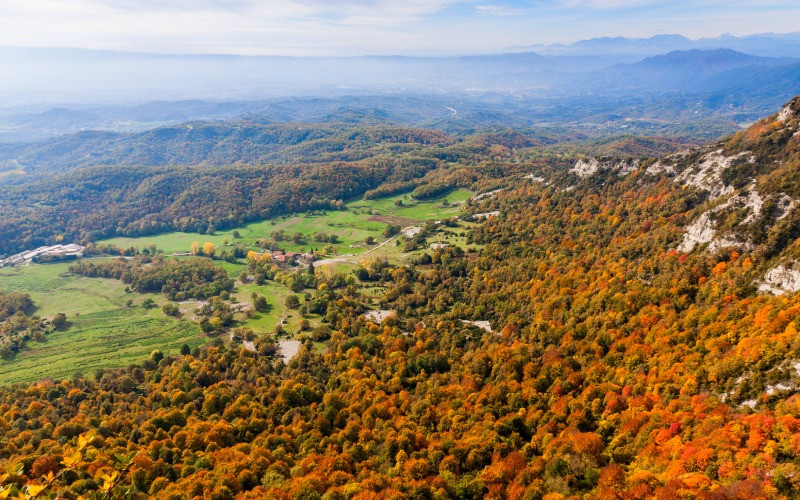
(357, 27)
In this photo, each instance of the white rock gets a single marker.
(771, 389)
(707, 173)
(780, 279)
(534, 178)
(377, 317)
(753, 202)
(625, 167)
(487, 195)
(785, 204)
(785, 113)
(660, 167)
(482, 324)
(702, 230)
(585, 168)
(729, 240)
(698, 232)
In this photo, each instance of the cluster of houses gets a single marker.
(71, 250)
(285, 257)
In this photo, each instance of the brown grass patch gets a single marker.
(394, 220)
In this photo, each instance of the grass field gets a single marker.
(430, 209)
(350, 226)
(104, 332)
(275, 293)
(107, 339)
(11, 168)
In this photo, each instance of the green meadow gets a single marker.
(109, 328)
(276, 294)
(103, 332)
(351, 226)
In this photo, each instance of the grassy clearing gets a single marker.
(351, 226)
(104, 331)
(261, 322)
(106, 339)
(11, 168)
(430, 209)
(266, 322)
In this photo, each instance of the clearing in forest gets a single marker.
(104, 331)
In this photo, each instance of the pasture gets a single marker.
(110, 328)
(362, 218)
(104, 331)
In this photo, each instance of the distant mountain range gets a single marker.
(696, 71)
(763, 44)
(601, 82)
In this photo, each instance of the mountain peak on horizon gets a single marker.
(759, 44)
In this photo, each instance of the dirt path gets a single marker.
(408, 232)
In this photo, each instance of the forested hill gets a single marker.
(223, 143)
(210, 144)
(628, 354)
(205, 176)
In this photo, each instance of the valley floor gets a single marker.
(108, 327)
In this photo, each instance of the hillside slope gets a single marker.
(588, 343)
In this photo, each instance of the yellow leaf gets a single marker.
(33, 490)
(72, 460)
(85, 439)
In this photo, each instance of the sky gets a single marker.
(363, 27)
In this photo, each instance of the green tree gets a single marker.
(292, 302)
(59, 321)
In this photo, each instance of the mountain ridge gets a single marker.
(748, 194)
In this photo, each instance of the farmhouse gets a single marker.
(281, 257)
(51, 251)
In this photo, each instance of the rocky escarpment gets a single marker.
(781, 279)
(748, 192)
(587, 167)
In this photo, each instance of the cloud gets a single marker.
(278, 9)
(498, 10)
(347, 27)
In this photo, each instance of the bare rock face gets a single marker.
(789, 115)
(706, 174)
(702, 229)
(730, 178)
(586, 168)
(780, 280)
(785, 113)
(698, 232)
